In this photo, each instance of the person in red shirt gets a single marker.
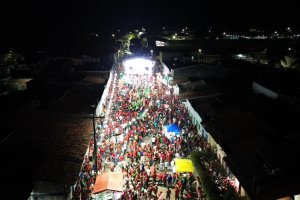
(160, 177)
(129, 155)
(168, 157)
(121, 158)
(165, 175)
(163, 157)
(154, 176)
(135, 155)
(199, 193)
(164, 140)
(99, 166)
(188, 195)
(146, 179)
(176, 193)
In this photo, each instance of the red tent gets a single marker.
(109, 181)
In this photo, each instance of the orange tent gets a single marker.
(109, 181)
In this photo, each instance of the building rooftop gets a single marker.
(279, 115)
(264, 160)
(47, 146)
(195, 89)
(230, 128)
(207, 107)
(202, 71)
(268, 172)
(50, 140)
(284, 82)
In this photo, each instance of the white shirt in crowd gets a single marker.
(153, 139)
(172, 162)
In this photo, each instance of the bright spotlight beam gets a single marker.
(139, 66)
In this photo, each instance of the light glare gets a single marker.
(138, 66)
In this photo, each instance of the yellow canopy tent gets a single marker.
(184, 165)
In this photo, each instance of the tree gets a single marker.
(279, 58)
(289, 62)
(11, 58)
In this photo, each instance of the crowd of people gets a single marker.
(133, 141)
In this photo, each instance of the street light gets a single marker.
(199, 52)
(119, 51)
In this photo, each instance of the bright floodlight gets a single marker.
(138, 66)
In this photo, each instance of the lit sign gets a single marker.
(159, 43)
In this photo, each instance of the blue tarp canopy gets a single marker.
(173, 128)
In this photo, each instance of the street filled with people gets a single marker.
(133, 139)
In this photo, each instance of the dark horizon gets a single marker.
(40, 23)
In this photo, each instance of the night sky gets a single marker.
(40, 22)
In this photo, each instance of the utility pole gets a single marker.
(95, 146)
(95, 141)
